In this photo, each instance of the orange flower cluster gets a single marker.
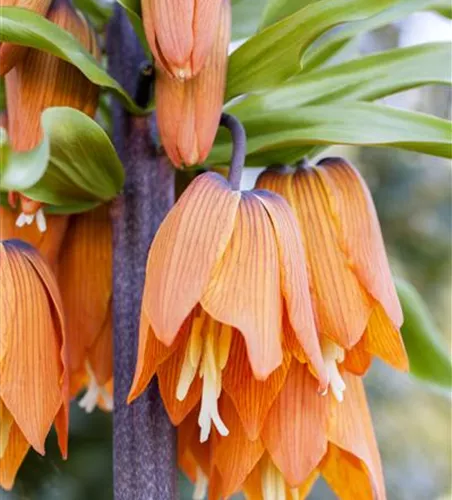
(261, 312)
(189, 41)
(36, 80)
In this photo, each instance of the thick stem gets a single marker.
(238, 149)
(144, 439)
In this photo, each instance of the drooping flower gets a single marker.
(305, 435)
(48, 243)
(11, 54)
(225, 305)
(188, 113)
(40, 80)
(85, 280)
(34, 389)
(356, 307)
(181, 34)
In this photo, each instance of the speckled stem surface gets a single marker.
(144, 440)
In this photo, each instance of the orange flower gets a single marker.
(181, 34)
(11, 54)
(356, 307)
(85, 279)
(226, 297)
(39, 81)
(34, 379)
(305, 435)
(48, 243)
(188, 113)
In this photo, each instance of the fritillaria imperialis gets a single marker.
(33, 394)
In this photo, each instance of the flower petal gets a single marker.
(252, 398)
(100, 355)
(13, 457)
(358, 359)
(350, 429)
(85, 279)
(341, 305)
(294, 279)
(235, 455)
(244, 289)
(360, 233)
(295, 430)
(29, 386)
(188, 244)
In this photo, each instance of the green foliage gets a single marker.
(24, 27)
(133, 11)
(275, 10)
(429, 359)
(98, 11)
(73, 169)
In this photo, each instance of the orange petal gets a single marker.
(253, 485)
(252, 398)
(295, 430)
(385, 341)
(48, 243)
(350, 429)
(359, 232)
(13, 457)
(85, 279)
(30, 388)
(235, 455)
(100, 355)
(305, 489)
(151, 353)
(358, 360)
(294, 279)
(244, 289)
(342, 306)
(188, 244)
(9, 301)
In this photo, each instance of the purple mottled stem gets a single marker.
(238, 135)
(144, 440)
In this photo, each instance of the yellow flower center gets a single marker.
(333, 355)
(207, 353)
(6, 422)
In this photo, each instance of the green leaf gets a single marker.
(98, 11)
(133, 11)
(245, 17)
(325, 50)
(276, 10)
(74, 168)
(274, 54)
(367, 124)
(428, 356)
(367, 78)
(24, 27)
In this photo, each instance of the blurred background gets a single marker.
(412, 419)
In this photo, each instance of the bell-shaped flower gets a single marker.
(181, 34)
(356, 307)
(11, 54)
(225, 305)
(85, 280)
(40, 80)
(34, 389)
(188, 113)
(305, 435)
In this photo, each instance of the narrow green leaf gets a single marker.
(325, 50)
(133, 11)
(245, 17)
(274, 54)
(367, 124)
(98, 11)
(73, 169)
(428, 356)
(367, 78)
(276, 10)
(24, 27)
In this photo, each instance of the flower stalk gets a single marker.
(238, 149)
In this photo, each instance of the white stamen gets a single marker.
(41, 221)
(272, 482)
(29, 219)
(333, 354)
(93, 393)
(201, 485)
(21, 220)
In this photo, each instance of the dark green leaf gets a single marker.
(276, 10)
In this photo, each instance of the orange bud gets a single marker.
(181, 33)
(188, 113)
(34, 389)
(11, 54)
(39, 81)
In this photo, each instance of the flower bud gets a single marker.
(188, 113)
(10, 54)
(181, 34)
